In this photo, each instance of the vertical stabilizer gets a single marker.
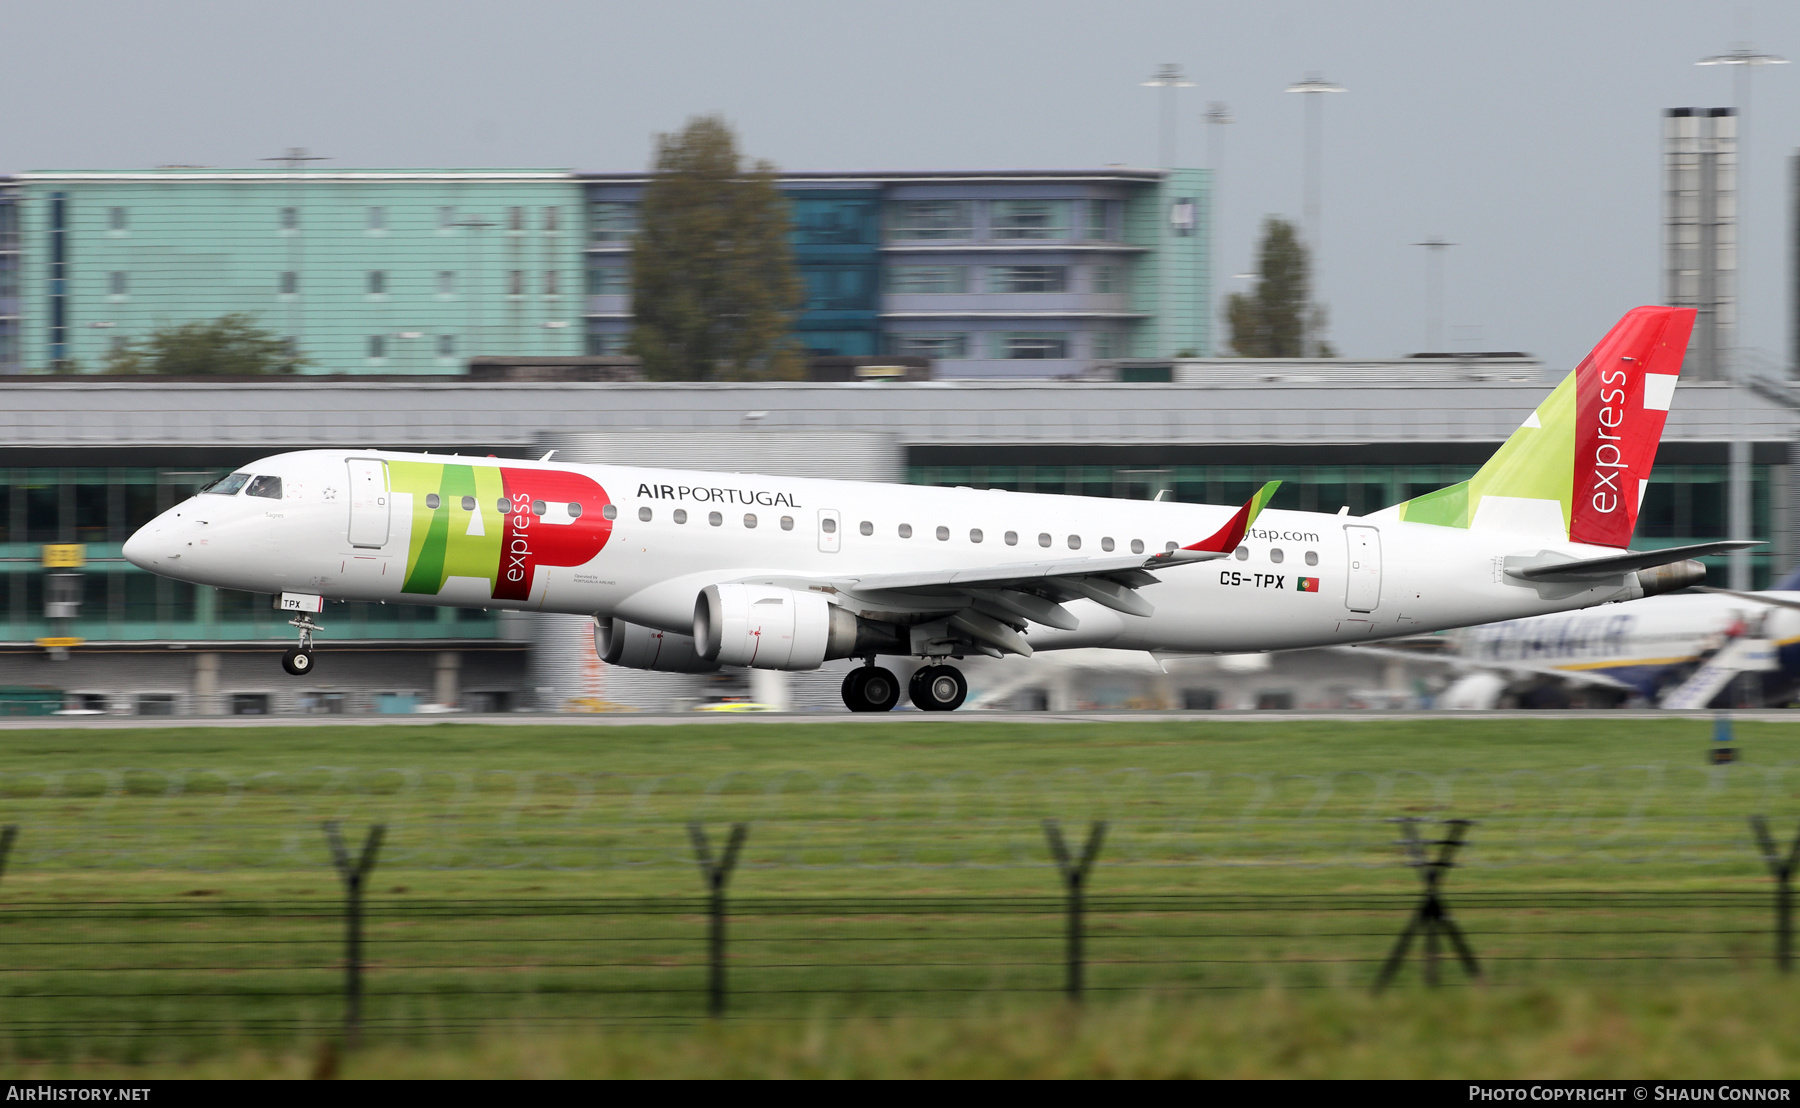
(1578, 466)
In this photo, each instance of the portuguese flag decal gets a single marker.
(1307, 584)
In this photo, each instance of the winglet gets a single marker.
(1227, 537)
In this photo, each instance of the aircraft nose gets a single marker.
(147, 547)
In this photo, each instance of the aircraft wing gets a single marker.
(1754, 597)
(1552, 568)
(990, 605)
(1515, 669)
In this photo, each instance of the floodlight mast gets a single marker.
(1434, 292)
(1312, 88)
(1168, 78)
(1744, 58)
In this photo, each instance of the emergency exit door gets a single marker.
(831, 540)
(1362, 589)
(369, 497)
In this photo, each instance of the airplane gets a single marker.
(1681, 651)
(688, 571)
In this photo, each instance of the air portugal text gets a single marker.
(718, 496)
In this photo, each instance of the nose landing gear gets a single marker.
(299, 659)
(871, 688)
(938, 689)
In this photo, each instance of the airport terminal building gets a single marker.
(87, 459)
(1002, 274)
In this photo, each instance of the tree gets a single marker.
(229, 345)
(714, 285)
(1277, 319)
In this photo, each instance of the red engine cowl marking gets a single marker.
(531, 541)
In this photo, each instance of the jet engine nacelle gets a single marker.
(771, 628)
(1671, 577)
(626, 644)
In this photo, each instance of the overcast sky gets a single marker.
(1527, 132)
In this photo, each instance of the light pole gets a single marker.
(1743, 57)
(1434, 291)
(1168, 78)
(1312, 88)
(1217, 117)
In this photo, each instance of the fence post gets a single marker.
(353, 873)
(1431, 916)
(1783, 869)
(716, 874)
(1074, 875)
(7, 834)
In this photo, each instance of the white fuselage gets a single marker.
(649, 565)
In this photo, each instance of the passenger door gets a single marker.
(369, 496)
(831, 531)
(1362, 590)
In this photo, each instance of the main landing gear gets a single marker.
(934, 688)
(299, 659)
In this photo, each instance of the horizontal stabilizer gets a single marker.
(1614, 565)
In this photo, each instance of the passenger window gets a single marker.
(715, 518)
(975, 534)
(228, 485)
(866, 527)
(1074, 542)
(1275, 555)
(538, 508)
(1012, 538)
(611, 511)
(643, 515)
(1312, 557)
(431, 499)
(829, 526)
(468, 503)
(1106, 543)
(269, 487)
(750, 521)
(1137, 546)
(680, 515)
(503, 505)
(943, 534)
(787, 523)
(1242, 554)
(1044, 539)
(906, 530)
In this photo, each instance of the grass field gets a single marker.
(170, 897)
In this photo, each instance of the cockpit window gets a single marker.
(229, 484)
(265, 486)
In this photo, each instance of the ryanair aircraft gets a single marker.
(688, 571)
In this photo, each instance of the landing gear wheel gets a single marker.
(938, 689)
(871, 689)
(297, 661)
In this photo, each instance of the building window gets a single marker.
(115, 219)
(515, 283)
(1106, 278)
(446, 346)
(290, 219)
(446, 282)
(938, 345)
(612, 220)
(377, 219)
(1097, 218)
(1028, 278)
(550, 282)
(377, 346)
(515, 219)
(1030, 219)
(928, 278)
(932, 219)
(115, 282)
(446, 218)
(609, 280)
(1033, 345)
(377, 282)
(1106, 344)
(290, 283)
(608, 344)
(552, 217)
(838, 288)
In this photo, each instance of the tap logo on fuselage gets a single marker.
(497, 523)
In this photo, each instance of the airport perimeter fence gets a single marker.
(159, 976)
